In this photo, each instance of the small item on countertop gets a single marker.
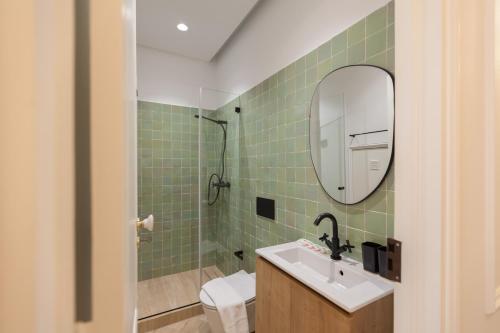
(370, 256)
(310, 245)
(382, 261)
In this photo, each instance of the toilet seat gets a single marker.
(239, 283)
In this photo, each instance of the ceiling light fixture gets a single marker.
(182, 27)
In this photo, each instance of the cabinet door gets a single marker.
(285, 305)
(311, 313)
(273, 299)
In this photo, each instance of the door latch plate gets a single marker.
(394, 248)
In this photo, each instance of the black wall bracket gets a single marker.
(394, 248)
(239, 254)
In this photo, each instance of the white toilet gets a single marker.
(240, 285)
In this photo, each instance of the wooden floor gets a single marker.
(196, 324)
(172, 291)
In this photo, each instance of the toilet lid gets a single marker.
(240, 282)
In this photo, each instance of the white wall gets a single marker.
(278, 32)
(171, 79)
(275, 34)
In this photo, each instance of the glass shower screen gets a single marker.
(220, 223)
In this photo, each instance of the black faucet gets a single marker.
(334, 244)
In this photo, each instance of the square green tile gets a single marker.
(355, 237)
(390, 225)
(390, 202)
(339, 60)
(324, 68)
(356, 53)
(311, 75)
(300, 65)
(376, 223)
(324, 51)
(356, 33)
(311, 59)
(376, 43)
(379, 60)
(377, 201)
(339, 43)
(380, 239)
(356, 218)
(390, 61)
(376, 21)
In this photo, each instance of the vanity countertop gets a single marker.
(345, 283)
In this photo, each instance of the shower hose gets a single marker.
(219, 183)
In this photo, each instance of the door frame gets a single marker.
(37, 169)
(418, 164)
(431, 167)
(113, 104)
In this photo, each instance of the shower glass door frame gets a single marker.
(220, 106)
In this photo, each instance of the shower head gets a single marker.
(220, 122)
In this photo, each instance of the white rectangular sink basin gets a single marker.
(319, 268)
(343, 282)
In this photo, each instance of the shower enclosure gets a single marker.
(188, 177)
(219, 195)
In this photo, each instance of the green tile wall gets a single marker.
(274, 159)
(168, 188)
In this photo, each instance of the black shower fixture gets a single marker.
(219, 179)
(220, 122)
(237, 109)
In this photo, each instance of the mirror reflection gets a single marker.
(351, 126)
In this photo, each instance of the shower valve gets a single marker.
(222, 184)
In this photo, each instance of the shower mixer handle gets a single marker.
(221, 184)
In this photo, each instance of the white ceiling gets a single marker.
(210, 22)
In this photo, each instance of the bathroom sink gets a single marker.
(343, 282)
(306, 261)
(321, 267)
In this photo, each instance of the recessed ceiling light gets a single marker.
(182, 27)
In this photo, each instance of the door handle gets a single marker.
(147, 223)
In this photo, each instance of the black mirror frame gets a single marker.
(393, 132)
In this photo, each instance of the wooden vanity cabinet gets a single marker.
(283, 304)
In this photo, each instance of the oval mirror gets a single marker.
(351, 126)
